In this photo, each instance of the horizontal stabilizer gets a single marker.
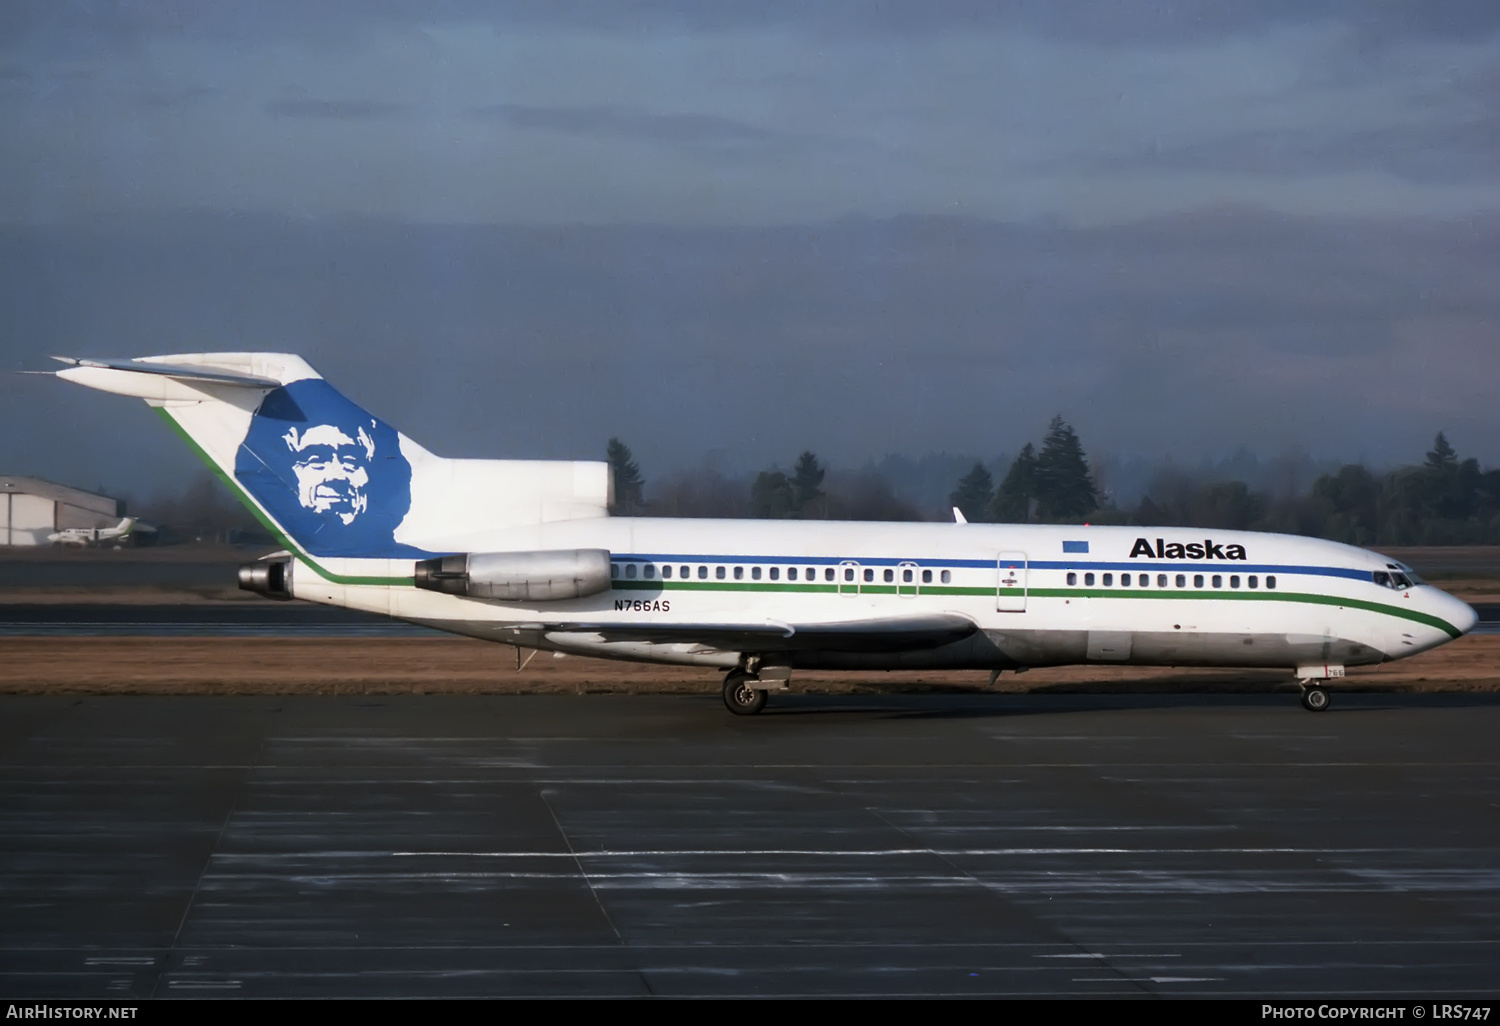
(183, 372)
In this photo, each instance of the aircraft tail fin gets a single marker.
(325, 476)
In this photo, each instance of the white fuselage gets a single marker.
(363, 512)
(1039, 595)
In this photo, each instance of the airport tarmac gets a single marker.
(615, 845)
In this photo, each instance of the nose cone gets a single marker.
(1460, 614)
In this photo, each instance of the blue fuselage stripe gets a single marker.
(1216, 566)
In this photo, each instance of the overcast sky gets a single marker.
(754, 229)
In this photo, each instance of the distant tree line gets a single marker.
(1446, 500)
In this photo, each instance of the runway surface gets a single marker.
(652, 845)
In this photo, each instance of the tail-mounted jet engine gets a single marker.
(518, 576)
(271, 578)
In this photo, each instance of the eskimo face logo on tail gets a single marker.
(332, 470)
(331, 475)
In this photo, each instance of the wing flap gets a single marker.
(890, 634)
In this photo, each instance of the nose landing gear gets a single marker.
(1310, 678)
(1314, 698)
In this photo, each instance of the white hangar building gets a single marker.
(31, 509)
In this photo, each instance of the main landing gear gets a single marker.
(746, 685)
(740, 697)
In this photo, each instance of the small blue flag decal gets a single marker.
(1075, 546)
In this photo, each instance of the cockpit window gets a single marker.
(1394, 579)
(1402, 576)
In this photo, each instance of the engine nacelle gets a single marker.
(518, 576)
(271, 578)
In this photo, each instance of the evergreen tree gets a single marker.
(771, 496)
(1063, 485)
(627, 475)
(807, 475)
(1013, 501)
(1442, 456)
(975, 492)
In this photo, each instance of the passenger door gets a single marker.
(1010, 588)
(906, 580)
(848, 578)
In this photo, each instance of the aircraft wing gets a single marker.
(888, 634)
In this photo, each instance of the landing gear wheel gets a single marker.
(1314, 699)
(739, 697)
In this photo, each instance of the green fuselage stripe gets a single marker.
(1066, 593)
(269, 524)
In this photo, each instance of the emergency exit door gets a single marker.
(1010, 588)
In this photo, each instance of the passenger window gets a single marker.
(703, 573)
(812, 575)
(1182, 580)
(755, 573)
(828, 574)
(684, 572)
(629, 569)
(947, 577)
(1125, 580)
(791, 573)
(1253, 581)
(869, 575)
(1161, 580)
(926, 576)
(1218, 581)
(1088, 580)
(739, 573)
(890, 575)
(775, 573)
(648, 571)
(666, 571)
(849, 573)
(1234, 582)
(614, 570)
(906, 575)
(1271, 581)
(718, 572)
(1197, 580)
(1072, 578)
(1109, 580)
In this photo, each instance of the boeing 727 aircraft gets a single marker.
(524, 552)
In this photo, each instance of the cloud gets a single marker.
(705, 130)
(333, 110)
(1184, 335)
(1434, 154)
(47, 22)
